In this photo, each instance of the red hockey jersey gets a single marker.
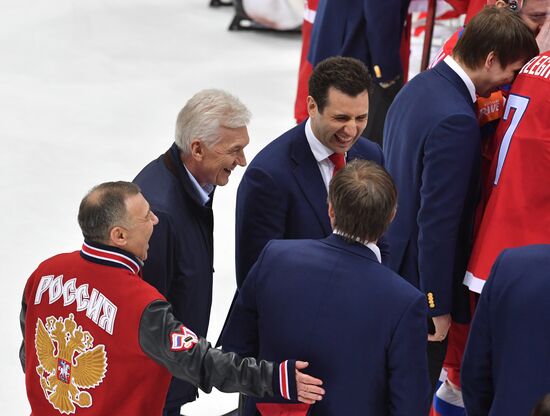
(518, 209)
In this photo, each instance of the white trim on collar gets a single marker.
(463, 75)
(372, 246)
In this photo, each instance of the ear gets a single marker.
(490, 60)
(331, 215)
(311, 106)
(118, 236)
(501, 3)
(197, 150)
(393, 215)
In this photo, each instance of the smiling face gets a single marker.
(214, 164)
(342, 120)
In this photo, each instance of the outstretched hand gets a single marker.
(309, 390)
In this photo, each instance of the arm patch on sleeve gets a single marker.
(183, 340)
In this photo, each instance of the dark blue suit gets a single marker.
(432, 150)
(282, 196)
(360, 326)
(368, 30)
(181, 250)
(506, 366)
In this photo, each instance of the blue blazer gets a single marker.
(506, 366)
(361, 327)
(282, 196)
(368, 30)
(180, 256)
(433, 152)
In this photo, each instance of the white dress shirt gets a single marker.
(321, 154)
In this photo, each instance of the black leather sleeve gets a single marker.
(22, 316)
(202, 365)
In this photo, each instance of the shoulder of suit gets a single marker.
(277, 152)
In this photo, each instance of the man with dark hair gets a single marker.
(97, 339)
(331, 299)
(283, 193)
(210, 138)
(371, 31)
(505, 366)
(320, 296)
(433, 150)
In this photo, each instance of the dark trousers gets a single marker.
(436, 356)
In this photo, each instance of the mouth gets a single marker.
(343, 140)
(228, 171)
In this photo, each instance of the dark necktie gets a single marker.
(339, 161)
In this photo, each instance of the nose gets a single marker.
(154, 218)
(241, 159)
(351, 128)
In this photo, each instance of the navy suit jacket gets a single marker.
(368, 30)
(506, 366)
(282, 196)
(361, 327)
(432, 150)
(181, 250)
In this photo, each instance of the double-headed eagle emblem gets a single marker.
(68, 362)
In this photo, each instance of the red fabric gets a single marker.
(300, 105)
(282, 409)
(518, 207)
(459, 6)
(339, 161)
(132, 383)
(474, 7)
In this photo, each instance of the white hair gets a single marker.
(204, 114)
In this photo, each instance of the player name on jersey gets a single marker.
(538, 66)
(98, 308)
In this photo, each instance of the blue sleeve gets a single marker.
(241, 332)
(451, 156)
(476, 371)
(260, 218)
(383, 30)
(408, 381)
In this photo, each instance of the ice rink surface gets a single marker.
(90, 91)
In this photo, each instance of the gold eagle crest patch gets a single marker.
(68, 362)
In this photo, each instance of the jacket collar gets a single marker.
(360, 249)
(172, 161)
(448, 73)
(110, 256)
(306, 171)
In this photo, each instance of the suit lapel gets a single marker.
(307, 174)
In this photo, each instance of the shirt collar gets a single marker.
(463, 75)
(203, 191)
(110, 256)
(319, 150)
(372, 246)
